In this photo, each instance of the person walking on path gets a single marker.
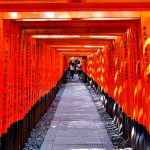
(71, 67)
(79, 70)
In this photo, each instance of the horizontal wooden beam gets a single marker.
(47, 6)
(76, 23)
(65, 15)
(79, 31)
(77, 50)
(76, 42)
(76, 53)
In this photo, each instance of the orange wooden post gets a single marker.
(5, 96)
(146, 65)
(2, 72)
(84, 64)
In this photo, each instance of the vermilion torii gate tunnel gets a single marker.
(37, 39)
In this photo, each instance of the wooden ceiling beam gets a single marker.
(76, 42)
(79, 31)
(77, 23)
(31, 6)
(76, 53)
(77, 50)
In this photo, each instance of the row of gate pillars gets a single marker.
(19, 132)
(137, 135)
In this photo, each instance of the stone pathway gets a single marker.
(76, 124)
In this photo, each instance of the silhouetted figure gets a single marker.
(71, 68)
(79, 70)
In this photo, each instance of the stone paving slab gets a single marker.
(78, 147)
(76, 133)
(76, 124)
(77, 140)
(47, 145)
